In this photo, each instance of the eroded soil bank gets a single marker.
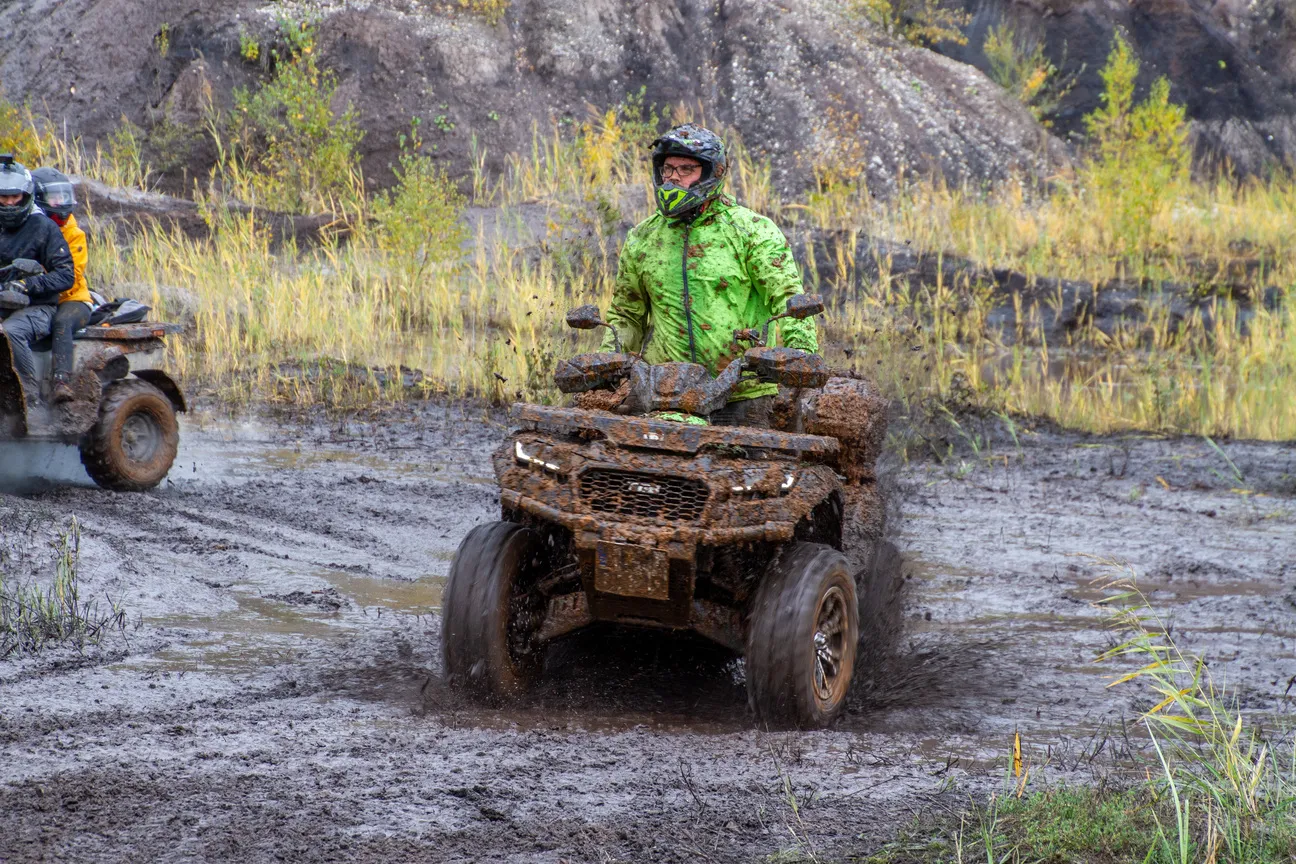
(277, 694)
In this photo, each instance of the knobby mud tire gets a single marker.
(131, 410)
(782, 655)
(488, 617)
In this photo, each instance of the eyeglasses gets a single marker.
(679, 171)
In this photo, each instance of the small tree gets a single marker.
(1140, 158)
(20, 136)
(419, 218)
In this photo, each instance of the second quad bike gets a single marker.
(123, 416)
(631, 507)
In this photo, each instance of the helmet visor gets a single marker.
(59, 196)
(15, 181)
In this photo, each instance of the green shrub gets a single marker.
(20, 135)
(126, 156)
(920, 22)
(249, 48)
(492, 10)
(287, 146)
(1018, 65)
(418, 219)
(1140, 158)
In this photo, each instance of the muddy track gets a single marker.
(277, 695)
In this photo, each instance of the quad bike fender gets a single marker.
(166, 384)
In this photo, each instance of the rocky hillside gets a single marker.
(797, 79)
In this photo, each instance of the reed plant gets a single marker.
(1210, 783)
(34, 616)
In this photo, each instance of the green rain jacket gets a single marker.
(740, 271)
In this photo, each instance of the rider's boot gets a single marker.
(62, 390)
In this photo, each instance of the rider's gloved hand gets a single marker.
(14, 286)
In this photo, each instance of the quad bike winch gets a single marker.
(123, 414)
(641, 512)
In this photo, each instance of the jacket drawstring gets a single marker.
(688, 302)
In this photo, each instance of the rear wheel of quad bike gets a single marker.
(133, 443)
(490, 614)
(802, 638)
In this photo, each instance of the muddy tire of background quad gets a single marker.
(489, 618)
(134, 441)
(802, 638)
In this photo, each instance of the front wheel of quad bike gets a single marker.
(490, 614)
(133, 443)
(802, 638)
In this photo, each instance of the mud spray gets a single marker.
(28, 467)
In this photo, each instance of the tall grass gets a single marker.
(1231, 790)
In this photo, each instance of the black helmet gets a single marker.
(697, 143)
(15, 180)
(54, 192)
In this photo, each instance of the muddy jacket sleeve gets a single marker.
(54, 256)
(774, 272)
(628, 312)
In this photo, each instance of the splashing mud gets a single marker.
(278, 695)
(27, 467)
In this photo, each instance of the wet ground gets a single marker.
(276, 695)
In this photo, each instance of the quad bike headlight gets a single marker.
(527, 459)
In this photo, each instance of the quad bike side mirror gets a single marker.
(803, 306)
(585, 317)
(799, 306)
(588, 317)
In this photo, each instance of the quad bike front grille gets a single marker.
(651, 496)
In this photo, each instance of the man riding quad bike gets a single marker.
(635, 507)
(118, 404)
(122, 410)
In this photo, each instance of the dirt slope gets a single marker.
(280, 698)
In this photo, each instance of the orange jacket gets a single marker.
(76, 240)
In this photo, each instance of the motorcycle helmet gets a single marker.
(54, 193)
(15, 180)
(695, 142)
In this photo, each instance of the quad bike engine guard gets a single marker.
(631, 571)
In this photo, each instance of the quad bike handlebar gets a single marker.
(17, 270)
(689, 387)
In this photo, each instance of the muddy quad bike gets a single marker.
(648, 515)
(123, 414)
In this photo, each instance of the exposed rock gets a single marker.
(1232, 63)
(790, 77)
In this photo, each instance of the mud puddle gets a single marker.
(278, 695)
